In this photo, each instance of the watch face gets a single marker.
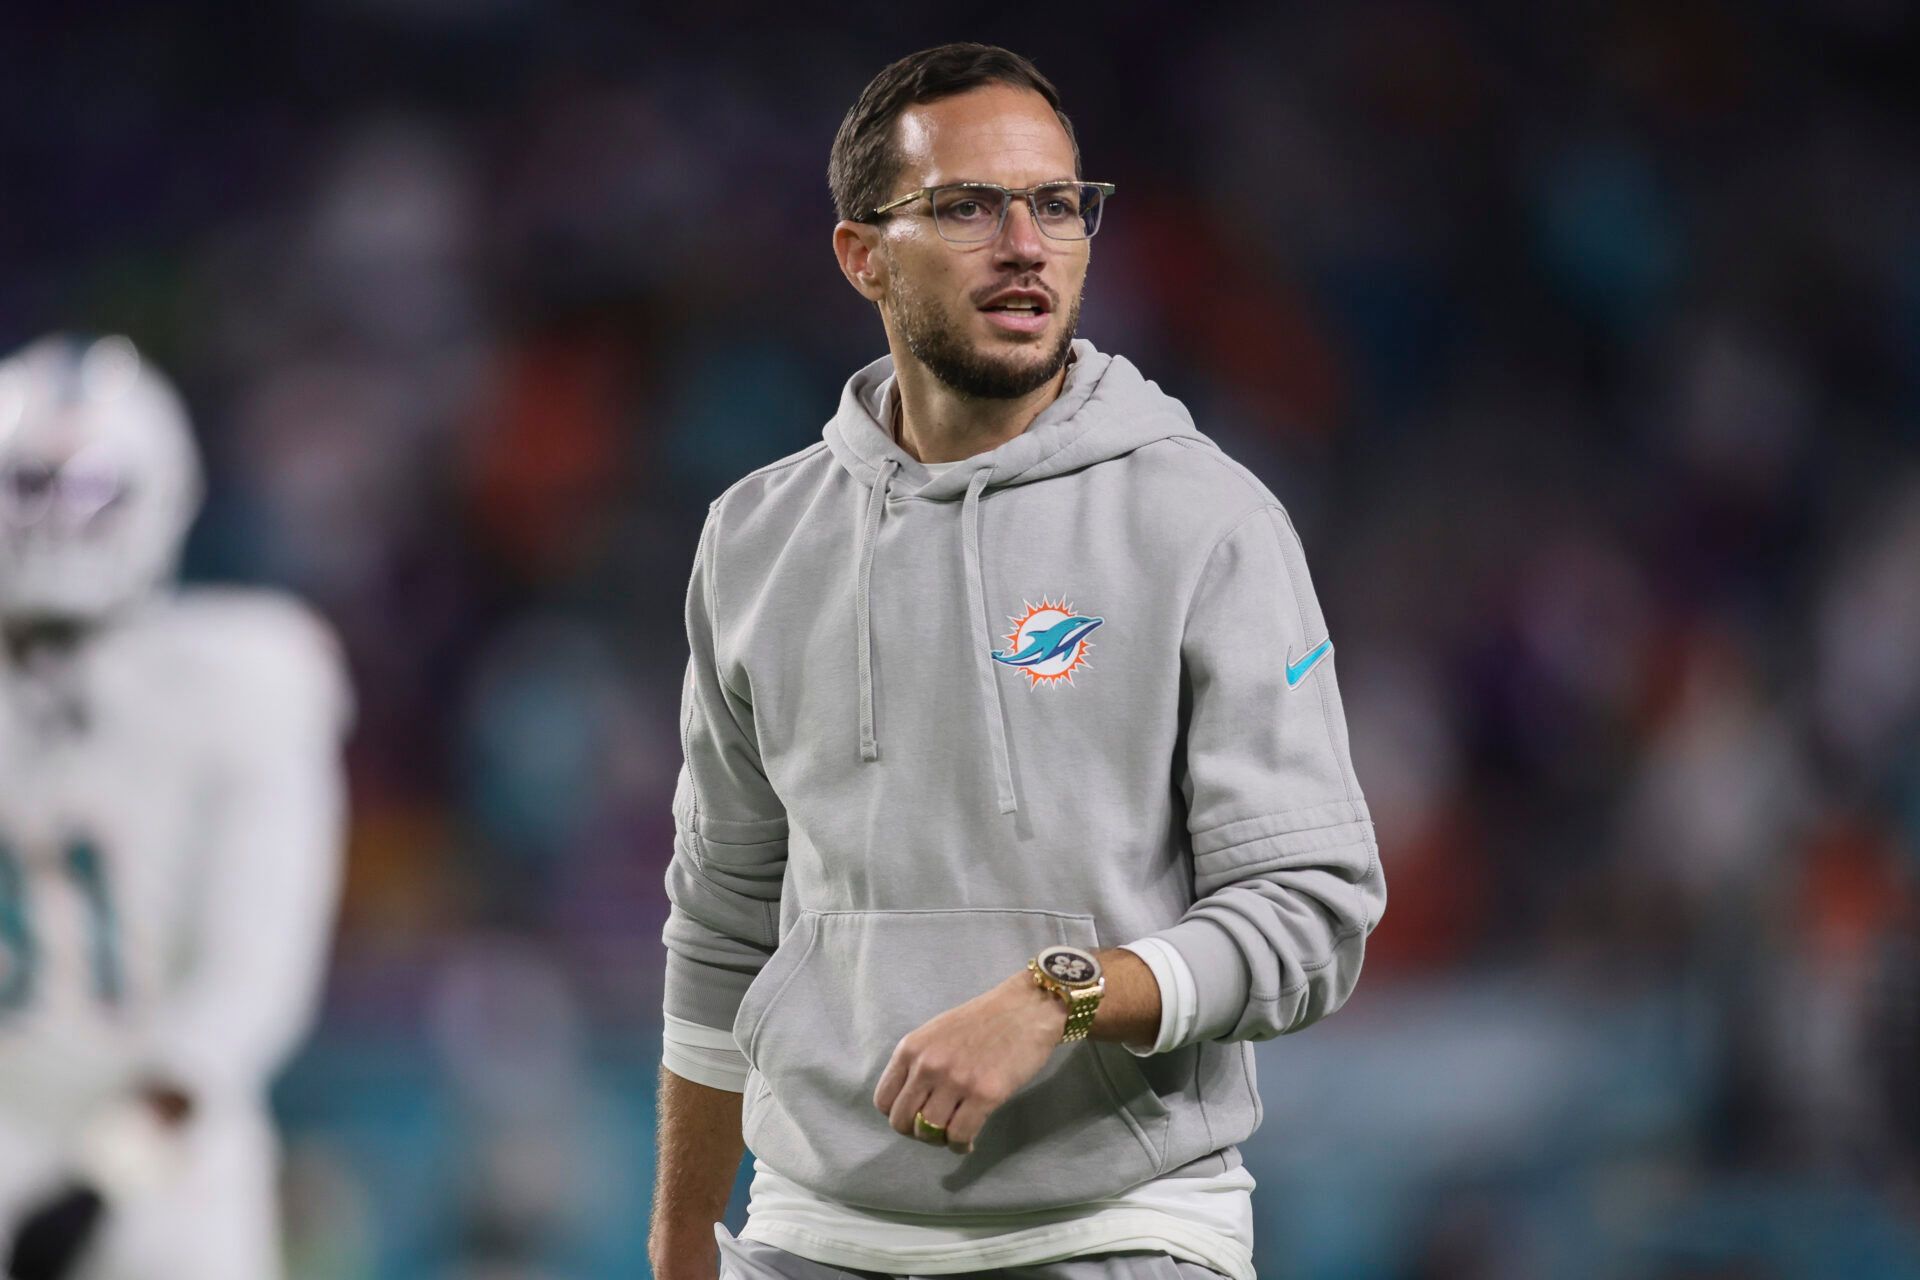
(1069, 965)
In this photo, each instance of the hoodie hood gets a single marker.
(1105, 410)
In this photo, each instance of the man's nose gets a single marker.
(1020, 239)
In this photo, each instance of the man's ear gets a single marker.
(857, 246)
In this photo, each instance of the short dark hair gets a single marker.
(864, 162)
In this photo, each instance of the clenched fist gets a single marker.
(959, 1067)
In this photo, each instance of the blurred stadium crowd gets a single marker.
(1582, 342)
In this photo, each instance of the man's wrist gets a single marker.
(1052, 1011)
(690, 1250)
(681, 1237)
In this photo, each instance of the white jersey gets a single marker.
(171, 808)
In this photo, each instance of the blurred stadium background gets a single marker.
(1582, 341)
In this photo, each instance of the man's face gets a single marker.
(936, 291)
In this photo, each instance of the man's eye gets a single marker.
(966, 206)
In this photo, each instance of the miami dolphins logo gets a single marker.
(1048, 642)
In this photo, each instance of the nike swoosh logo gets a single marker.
(1297, 671)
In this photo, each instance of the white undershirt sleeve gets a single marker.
(1179, 1005)
(703, 1055)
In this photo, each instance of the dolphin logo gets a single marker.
(1057, 639)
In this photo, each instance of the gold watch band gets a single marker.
(1082, 1004)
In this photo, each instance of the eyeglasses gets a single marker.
(970, 212)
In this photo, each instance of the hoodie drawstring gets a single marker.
(983, 660)
(976, 610)
(869, 740)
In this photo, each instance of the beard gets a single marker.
(940, 344)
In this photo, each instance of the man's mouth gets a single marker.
(1021, 311)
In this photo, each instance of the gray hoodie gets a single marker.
(1074, 689)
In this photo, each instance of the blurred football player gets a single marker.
(171, 806)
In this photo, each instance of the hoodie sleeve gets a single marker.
(1287, 876)
(271, 850)
(730, 830)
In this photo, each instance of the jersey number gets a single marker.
(19, 950)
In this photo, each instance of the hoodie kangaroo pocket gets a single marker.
(821, 1020)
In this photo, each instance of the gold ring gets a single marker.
(926, 1130)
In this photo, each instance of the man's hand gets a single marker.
(961, 1066)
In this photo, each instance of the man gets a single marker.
(1010, 667)
(170, 823)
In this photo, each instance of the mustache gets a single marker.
(980, 296)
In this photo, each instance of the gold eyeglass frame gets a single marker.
(1006, 207)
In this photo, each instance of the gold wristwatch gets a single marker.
(1074, 976)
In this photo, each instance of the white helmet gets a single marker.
(99, 479)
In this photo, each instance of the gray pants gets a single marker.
(753, 1260)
